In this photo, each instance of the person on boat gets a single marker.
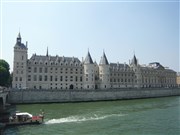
(11, 119)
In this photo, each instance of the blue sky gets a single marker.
(148, 28)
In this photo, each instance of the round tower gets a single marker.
(20, 64)
(104, 73)
(89, 73)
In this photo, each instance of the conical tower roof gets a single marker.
(104, 60)
(134, 61)
(19, 35)
(88, 59)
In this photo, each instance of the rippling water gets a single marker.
(156, 116)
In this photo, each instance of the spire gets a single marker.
(19, 35)
(19, 38)
(88, 59)
(104, 60)
(47, 52)
(134, 61)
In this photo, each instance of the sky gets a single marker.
(147, 28)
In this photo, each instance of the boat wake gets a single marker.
(81, 119)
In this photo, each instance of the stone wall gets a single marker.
(44, 96)
(3, 98)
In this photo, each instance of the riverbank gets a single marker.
(50, 96)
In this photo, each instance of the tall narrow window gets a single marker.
(35, 70)
(45, 78)
(51, 78)
(29, 77)
(40, 78)
(76, 78)
(55, 78)
(40, 70)
(45, 70)
(35, 78)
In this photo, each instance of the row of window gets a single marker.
(158, 73)
(158, 81)
(57, 63)
(45, 70)
(19, 65)
(122, 74)
(19, 72)
(54, 78)
(122, 80)
(18, 79)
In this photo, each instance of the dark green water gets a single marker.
(156, 116)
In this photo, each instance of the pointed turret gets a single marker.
(47, 52)
(19, 35)
(89, 76)
(134, 60)
(104, 72)
(19, 38)
(104, 60)
(88, 59)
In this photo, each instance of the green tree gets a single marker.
(4, 64)
(4, 73)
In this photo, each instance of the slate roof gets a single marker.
(18, 44)
(19, 35)
(54, 59)
(104, 60)
(134, 61)
(118, 65)
(88, 59)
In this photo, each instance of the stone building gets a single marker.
(59, 72)
(153, 75)
(122, 76)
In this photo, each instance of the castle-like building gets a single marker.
(55, 72)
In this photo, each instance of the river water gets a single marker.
(155, 116)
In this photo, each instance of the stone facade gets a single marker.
(59, 72)
(44, 96)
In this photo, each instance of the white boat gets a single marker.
(24, 118)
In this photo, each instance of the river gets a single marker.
(155, 116)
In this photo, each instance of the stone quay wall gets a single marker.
(50, 96)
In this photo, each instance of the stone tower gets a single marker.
(20, 64)
(89, 73)
(104, 73)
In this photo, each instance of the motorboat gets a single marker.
(24, 118)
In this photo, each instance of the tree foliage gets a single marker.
(4, 64)
(4, 73)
